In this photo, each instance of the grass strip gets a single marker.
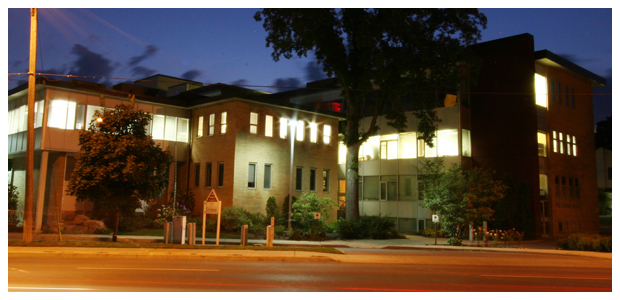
(96, 244)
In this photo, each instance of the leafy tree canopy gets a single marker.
(118, 164)
(377, 56)
(459, 197)
(602, 136)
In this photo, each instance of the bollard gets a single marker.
(244, 235)
(191, 233)
(166, 232)
(269, 237)
(179, 224)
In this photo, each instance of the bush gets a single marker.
(233, 217)
(375, 227)
(430, 232)
(582, 242)
(455, 241)
(303, 214)
(285, 208)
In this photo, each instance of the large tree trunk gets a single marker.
(118, 216)
(353, 210)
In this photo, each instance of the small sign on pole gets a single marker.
(212, 205)
(435, 218)
(436, 221)
(317, 216)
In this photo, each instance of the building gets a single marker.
(603, 176)
(527, 114)
(234, 140)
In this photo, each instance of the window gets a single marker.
(326, 181)
(421, 147)
(571, 188)
(269, 126)
(466, 142)
(552, 90)
(253, 123)
(298, 178)
(568, 144)
(560, 226)
(211, 124)
(208, 174)
(559, 93)
(79, 117)
(370, 150)
(557, 186)
(182, 134)
(561, 142)
(159, 123)
(389, 149)
(327, 134)
(431, 151)
(567, 95)
(313, 132)
(563, 186)
(252, 176)
(220, 174)
(283, 127)
(542, 144)
(572, 97)
(197, 175)
(61, 115)
(170, 132)
(200, 123)
(555, 142)
(223, 123)
(267, 183)
(342, 154)
(313, 180)
(300, 131)
(407, 145)
(540, 85)
(447, 142)
(574, 146)
(577, 193)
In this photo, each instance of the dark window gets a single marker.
(252, 175)
(325, 180)
(209, 170)
(220, 174)
(298, 179)
(559, 93)
(313, 179)
(197, 175)
(572, 97)
(267, 184)
(566, 93)
(552, 90)
(559, 226)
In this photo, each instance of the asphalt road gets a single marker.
(425, 271)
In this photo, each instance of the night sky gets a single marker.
(228, 46)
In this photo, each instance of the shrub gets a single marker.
(375, 227)
(430, 232)
(348, 229)
(233, 217)
(303, 214)
(13, 197)
(455, 241)
(285, 208)
(582, 242)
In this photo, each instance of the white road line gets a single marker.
(534, 276)
(148, 269)
(48, 288)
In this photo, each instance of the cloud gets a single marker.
(148, 52)
(142, 71)
(240, 82)
(191, 74)
(286, 84)
(314, 71)
(90, 63)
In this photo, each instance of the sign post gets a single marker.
(212, 205)
(436, 221)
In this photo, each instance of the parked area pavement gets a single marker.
(412, 242)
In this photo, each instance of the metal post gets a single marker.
(244, 235)
(435, 233)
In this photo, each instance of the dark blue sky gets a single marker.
(228, 46)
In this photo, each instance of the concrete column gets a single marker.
(41, 192)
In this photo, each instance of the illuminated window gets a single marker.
(200, 123)
(466, 142)
(79, 117)
(407, 145)
(327, 134)
(574, 146)
(252, 176)
(561, 142)
(253, 123)
(170, 129)
(300, 131)
(555, 142)
(540, 85)
(211, 124)
(269, 126)
(421, 147)
(159, 123)
(389, 148)
(283, 127)
(342, 154)
(223, 123)
(568, 144)
(182, 134)
(431, 152)
(61, 115)
(447, 142)
(313, 132)
(369, 150)
(542, 144)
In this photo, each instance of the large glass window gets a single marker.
(90, 112)
(79, 117)
(182, 130)
(407, 145)
(389, 148)
(540, 84)
(369, 150)
(371, 187)
(200, 123)
(252, 176)
(267, 182)
(448, 142)
(431, 152)
(466, 142)
(159, 123)
(253, 123)
(171, 129)
(269, 126)
(342, 154)
(407, 185)
(542, 144)
(61, 114)
(283, 127)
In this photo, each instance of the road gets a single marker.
(425, 271)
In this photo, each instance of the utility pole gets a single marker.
(28, 220)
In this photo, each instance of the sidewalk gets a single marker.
(412, 242)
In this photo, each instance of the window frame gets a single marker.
(197, 174)
(326, 181)
(211, 124)
(267, 174)
(223, 122)
(299, 174)
(254, 126)
(199, 131)
(312, 179)
(208, 174)
(252, 178)
(220, 174)
(268, 125)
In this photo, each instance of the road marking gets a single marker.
(49, 288)
(18, 270)
(538, 276)
(148, 269)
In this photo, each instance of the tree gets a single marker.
(376, 56)
(118, 164)
(514, 210)
(602, 136)
(459, 197)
